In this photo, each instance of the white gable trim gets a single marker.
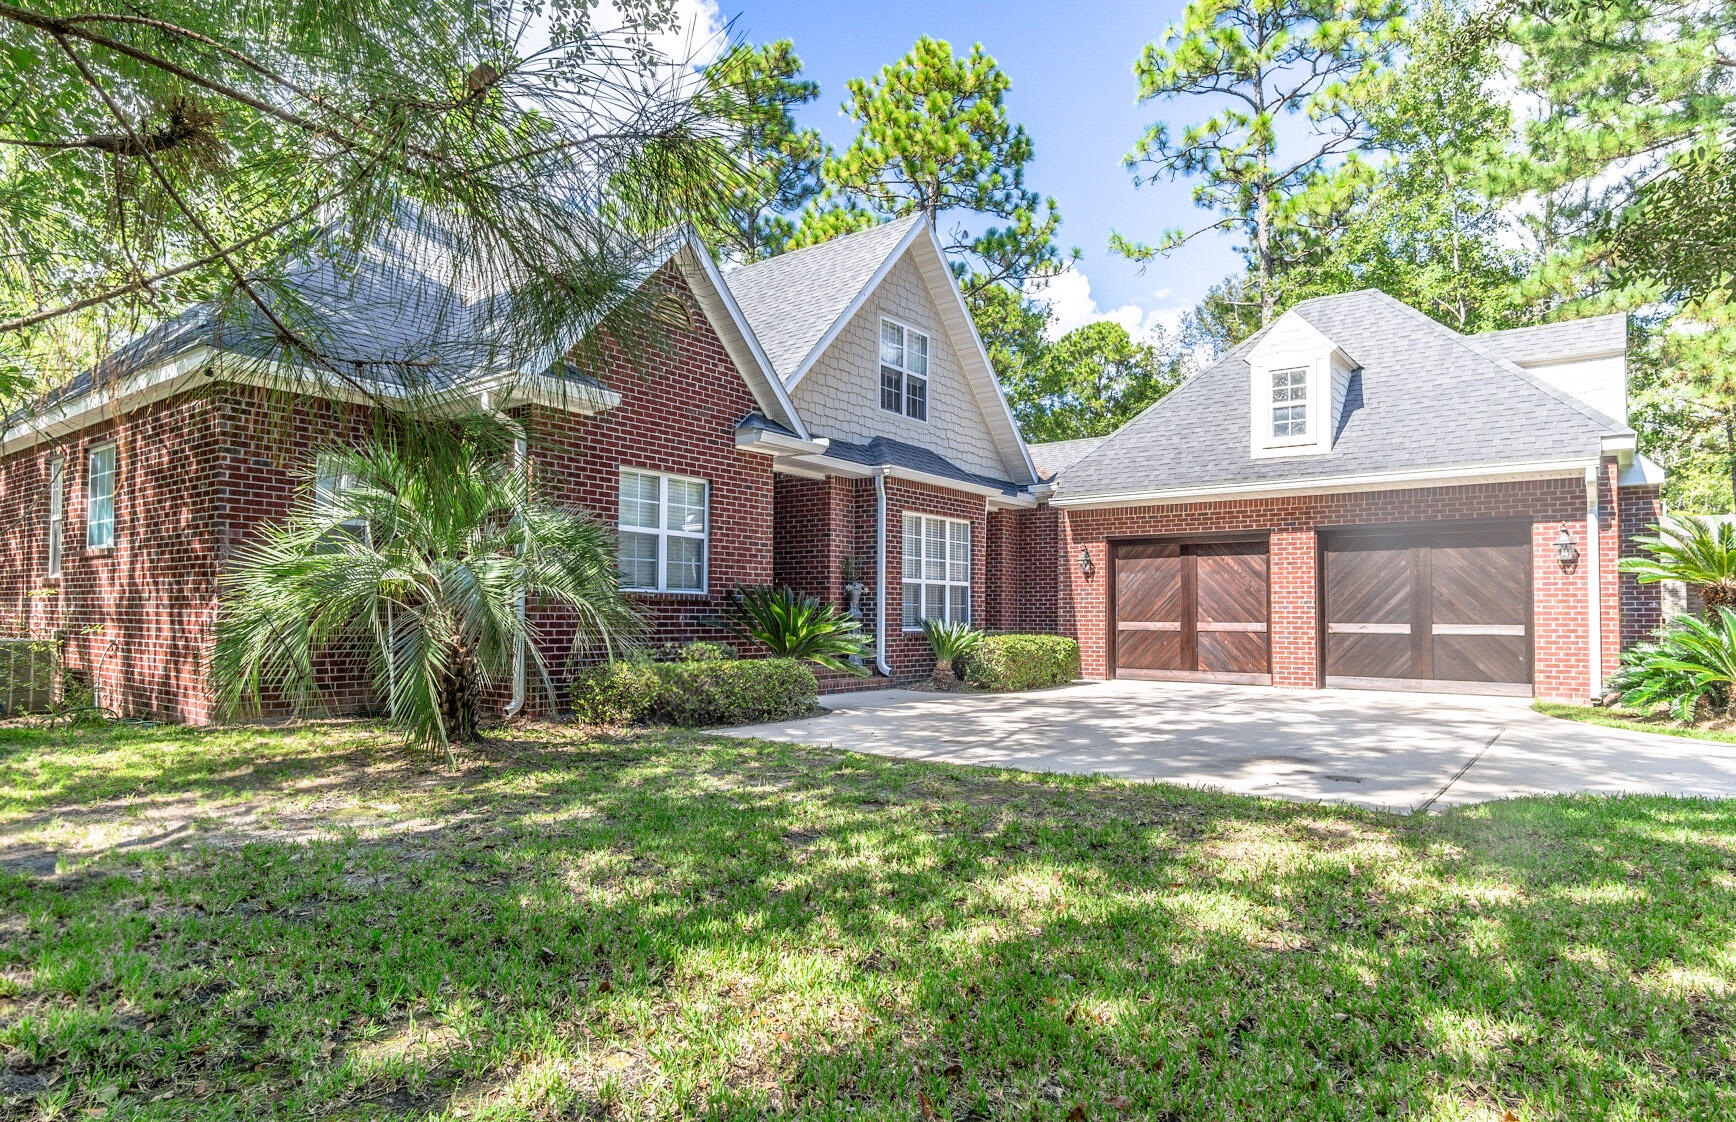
(780, 403)
(849, 313)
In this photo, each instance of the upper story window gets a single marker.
(1290, 403)
(662, 532)
(56, 512)
(903, 370)
(100, 498)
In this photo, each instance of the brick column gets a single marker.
(1295, 614)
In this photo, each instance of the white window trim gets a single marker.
(663, 533)
(56, 515)
(90, 494)
(924, 582)
(1309, 415)
(904, 372)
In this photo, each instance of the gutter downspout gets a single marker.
(880, 571)
(1593, 582)
(520, 463)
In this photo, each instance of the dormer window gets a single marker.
(903, 370)
(1290, 404)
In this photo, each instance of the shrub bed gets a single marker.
(696, 694)
(1022, 662)
(744, 692)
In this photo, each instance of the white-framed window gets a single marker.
(56, 512)
(1290, 403)
(662, 532)
(936, 570)
(99, 508)
(903, 370)
(329, 482)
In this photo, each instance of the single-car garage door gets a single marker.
(1192, 610)
(1445, 608)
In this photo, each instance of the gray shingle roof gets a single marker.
(1425, 397)
(791, 300)
(1591, 336)
(1056, 456)
(884, 450)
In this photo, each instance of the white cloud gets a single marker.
(1069, 298)
(695, 36)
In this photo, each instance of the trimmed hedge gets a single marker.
(744, 692)
(694, 694)
(618, 692)
(1022, 662)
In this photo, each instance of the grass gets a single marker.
(262, 925)
(1639, 722)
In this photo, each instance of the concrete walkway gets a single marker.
(1387, 750)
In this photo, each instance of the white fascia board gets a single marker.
(790, 419)
(1381, 481)
(1621, 446)
(776, 444)
(855, 305)
(151, 384)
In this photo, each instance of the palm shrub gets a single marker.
(949, 641)
(795, 625)
(1690, 660)
(1696, 551)
(418, 562)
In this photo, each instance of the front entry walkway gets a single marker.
(1388, 750)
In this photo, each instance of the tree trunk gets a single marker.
(460, 695)
(943, 675)
(1730, 448)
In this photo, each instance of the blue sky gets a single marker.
(1073, 89)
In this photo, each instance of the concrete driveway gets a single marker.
(1387, 750)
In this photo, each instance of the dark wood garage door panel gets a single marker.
(1148, 618)
(1192, 610)
(1230, 613)
(1467, 596)
(1369, 611)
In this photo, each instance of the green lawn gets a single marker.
(299, 925)
(1623, 719)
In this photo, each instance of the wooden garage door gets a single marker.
(1192, 610)
(1444, 608)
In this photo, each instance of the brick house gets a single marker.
(1307, 511)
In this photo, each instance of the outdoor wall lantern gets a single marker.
(1086, 565)
(1565, 551)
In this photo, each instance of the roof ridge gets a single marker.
(1469, 342)
(789, 254)
(1541, 326)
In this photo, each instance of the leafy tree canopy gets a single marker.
(1090, 382)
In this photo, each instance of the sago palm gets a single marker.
(1689, 660)
(418, 560)
(949, 641)
(1696, 551)
(794, 625)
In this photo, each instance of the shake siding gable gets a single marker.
(840, 395)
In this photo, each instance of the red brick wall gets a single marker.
(1023, 570)
(1559, 594)
(907, 651)
(134, 620)
(1641, 604)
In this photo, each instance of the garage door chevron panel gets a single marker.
(1192, 610)
(1432, 607)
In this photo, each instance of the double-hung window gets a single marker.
(330, 481)
(1290, 403)
(662, 532)
(903, 370)
(56, 512)
(936, 570)
(100, 498)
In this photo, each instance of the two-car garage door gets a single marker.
(1443, 607)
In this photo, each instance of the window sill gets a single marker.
(681, 593)
(98, 550)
